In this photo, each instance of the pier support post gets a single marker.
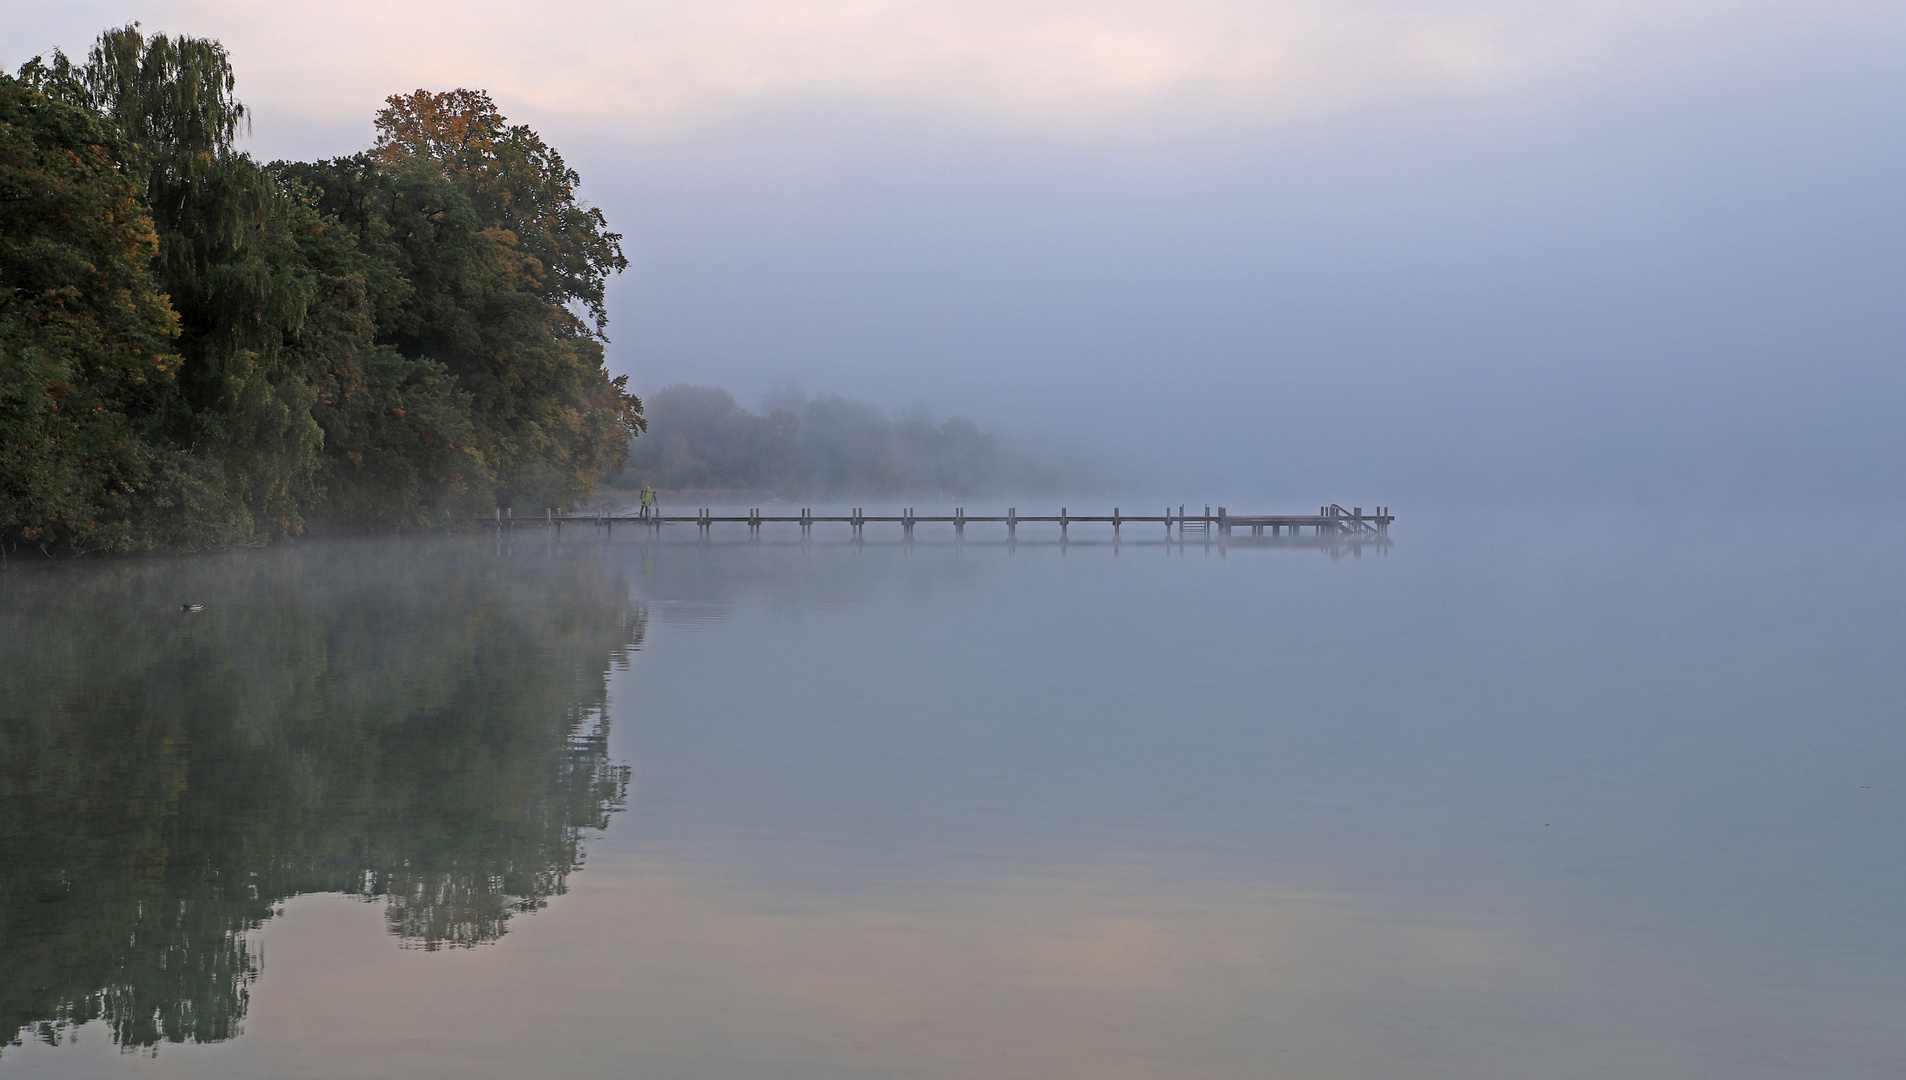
(1062, 523)
(1115, 523)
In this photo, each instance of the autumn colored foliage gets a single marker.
(196, 349)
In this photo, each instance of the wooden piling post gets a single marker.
(1331, 520)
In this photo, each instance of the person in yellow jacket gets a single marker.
(648, 500)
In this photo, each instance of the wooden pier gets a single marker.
(1328, 521)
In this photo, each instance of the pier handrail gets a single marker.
(1331, 518)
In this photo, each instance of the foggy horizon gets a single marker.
(1612, 256)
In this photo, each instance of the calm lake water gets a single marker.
(1585, 797)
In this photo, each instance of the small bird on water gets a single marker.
(191, 607)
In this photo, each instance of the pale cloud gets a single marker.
(653, 65)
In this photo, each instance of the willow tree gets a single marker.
(229, 262)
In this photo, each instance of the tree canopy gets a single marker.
(515, 181)
(385, 340)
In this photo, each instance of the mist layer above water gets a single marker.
(1433, 809)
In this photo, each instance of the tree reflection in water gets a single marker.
(420, 724)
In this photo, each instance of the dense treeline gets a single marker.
(701, 438)
(197, 349)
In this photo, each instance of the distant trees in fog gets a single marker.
(701, 438)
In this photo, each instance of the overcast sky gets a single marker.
(1367, 252)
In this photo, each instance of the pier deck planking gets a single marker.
(1331, 520)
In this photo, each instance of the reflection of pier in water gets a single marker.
(1332, 527)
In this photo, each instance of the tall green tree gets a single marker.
(515, 181)
(229, 263)
(87, 359)
(399, 445)
(550, 419)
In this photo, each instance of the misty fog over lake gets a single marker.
(613, 803)
(356, 721)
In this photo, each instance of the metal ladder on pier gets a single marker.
(1351, 521)
(1194, 524)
